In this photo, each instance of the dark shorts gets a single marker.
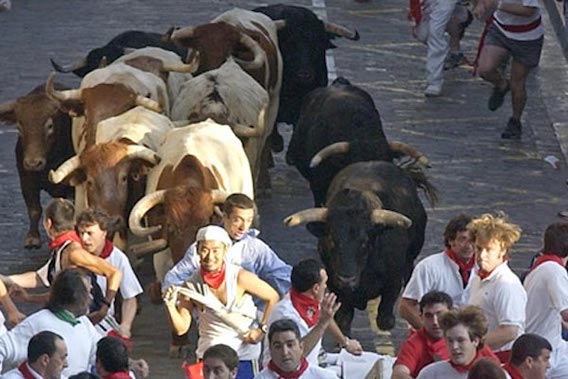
(525, 52)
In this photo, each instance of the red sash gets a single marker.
(62, 238)
(415, 11)
(213, 279)
(464, 267)
(512, 371)
(547, 258)
(519, 28)
(288, 375)
(307, 307)
(25, 370)
(107, 249)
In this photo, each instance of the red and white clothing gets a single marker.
(24, 371)
(512, 371)
(306, 371)
(547, 292)
(81, 340)
(502, 298)
(213, 330)
(504, 18)
(438, 273)
(447, 370)
(419, 350)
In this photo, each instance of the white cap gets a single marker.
(213, 233)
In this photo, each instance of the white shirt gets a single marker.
(511, 19)
(285, 309)
(438, 273)
(443, 370)
(502, 298)
(2, 324)
(547, 293)
(17, 374)
(81, 340)
(312, 372)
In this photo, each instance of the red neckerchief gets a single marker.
(307, 307)
(107, 249)
(485, 352)
(547, 258)
(62, 238)
(482, 274)
(432, 346)
(512, 371)
(464, 267)
(25, 370)
(213, 279)
(118, 375)
(288, 375)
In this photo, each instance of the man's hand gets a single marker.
(139, 367)
(484, 9)
(97, 316)
(253, 336)
(328, 306)
(124, 330)
(353, 346)
(18, 293)
(171, 296)
(15, 317)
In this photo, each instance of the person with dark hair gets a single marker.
(427, 345)
(65, 315)
(112, 358)
(464, 329)
(286, 351)
(308, 305)
(93, 229)
(84, 375)
(496, 288)
(220, 362)
(66, 251)
(47, 357)
(450, 271)
(486, 368)
(530, 357)
(547, 296)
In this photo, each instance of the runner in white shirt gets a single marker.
(450, 272)
(547, 291)
(495, 288)
(47, 357)
(92, 227)
(286, 350)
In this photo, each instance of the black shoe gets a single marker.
(513, 129)
(497, 97)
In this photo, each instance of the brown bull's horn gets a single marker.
(182, 67)
(341, 31)
(148, 104)
(219, 196)
(150, 247)
(390, 218)
(70, 67)
(141, 152)
(181, 33)
(254, 47)
(65, 169)
(7, 107)
(246, 131)
(52, 93)
(140, 209)
(406, 149)
(326, 152)
(305, 216)
(280, 24)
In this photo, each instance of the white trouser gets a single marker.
(432, 31)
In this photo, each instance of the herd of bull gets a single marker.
(165, 126)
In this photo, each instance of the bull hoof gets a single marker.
(32, 242)
(386, 322)
(155, 293)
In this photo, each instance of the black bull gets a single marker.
(369, 234)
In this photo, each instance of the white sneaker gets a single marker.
(433, 90)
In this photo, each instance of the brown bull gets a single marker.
(44, 142)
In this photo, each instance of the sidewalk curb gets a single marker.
(556, 18)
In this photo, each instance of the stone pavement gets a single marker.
(474, 170)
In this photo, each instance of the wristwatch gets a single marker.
(263, 328)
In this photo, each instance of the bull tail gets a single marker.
(422, 182)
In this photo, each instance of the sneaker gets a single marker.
(497, 97)
(433, 90)
(513, 130)
(454, 60)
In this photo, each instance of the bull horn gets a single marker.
(149, 247)
(254, 47)
(8, 106)
(246, 131)
(142, 152)
(406, 149)
(181, 33)
(326, 152)
(219, 196)
(140, 209)
(390, 218)
(341, 31)
(52, 93)
(305, 216)
(148, 103)
(70, 67)
(182, 67)
(280, 24)
(64, 170)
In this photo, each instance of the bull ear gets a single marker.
(317, 229)
(76, 178)
(139, 168)
(73, 108)
(8, 113)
